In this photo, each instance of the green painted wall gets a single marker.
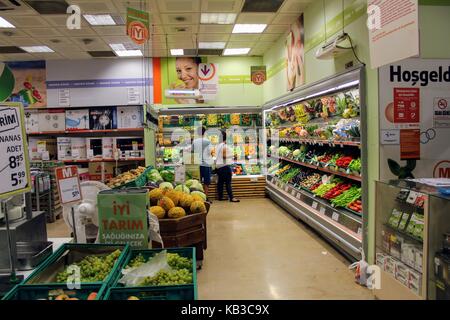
(235, 87)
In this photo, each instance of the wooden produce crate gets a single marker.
(243, 187)
(189, 231)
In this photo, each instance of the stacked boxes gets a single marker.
(77, 119)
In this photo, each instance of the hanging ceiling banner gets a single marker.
(258, 74)
(138, 25)
(393, 30)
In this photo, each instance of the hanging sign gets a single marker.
(68, 183)
(208, 75)
(138, 25)
(258, 74)
(393, 30)
(14, 164)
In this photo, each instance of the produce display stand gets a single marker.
(176, 292)
(315, 130)
(43, 279)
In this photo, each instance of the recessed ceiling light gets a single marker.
(5, 24)
(249, 28)
(211, 45)
(236, 51)
(176, 52)
(37, 49)
(125, 50)
(100, 19)
(218, 18)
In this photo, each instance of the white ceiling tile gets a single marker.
(57, 41)
(257, 18)
(87, 31)
(213, 37)
(245, 37)
(159, 38)
(117, 39)
(297, 6)
(270, 37)
(48, 56)
(28, 21)
(257, 52)
(182, 45)
(96, 45)
(188, 29)
(43, 32)
(263, 45)
(14, 33)
(190, 18)
(157, 29)
(94, 6)
(18, 57)
(214, 28)
(234, 45)
(277, 29)
(149, 5)
(159, 45)
(20, 11)
(285, 19)
(180, 38)
(76, 55)
(159, 53)
(179, 5)
(60, 20)
(67, 48)
(110, 31)
(28, 41)
(217, 6)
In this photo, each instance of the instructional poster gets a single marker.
(415, 118)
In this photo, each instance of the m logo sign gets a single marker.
(138, 23)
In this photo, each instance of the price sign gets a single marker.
(180, 174)
(315, 204)
(293, 192)
(299, 195)
(286, 188)
(335, 216)
(14, 165)
(322, 210)
(68, 184)
(359, 231)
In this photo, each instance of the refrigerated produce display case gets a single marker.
(176, 133)
(411, 231)
(316, 159)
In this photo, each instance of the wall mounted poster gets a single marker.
(30, 87)
(414, 114)
(295, 53)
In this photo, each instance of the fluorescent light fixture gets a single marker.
(236, 51)
(249, 28)
(177, 52)
(37, 49)
(211, 45)
(218, 18)
(100, 19)
(122, 50)
(5, 24)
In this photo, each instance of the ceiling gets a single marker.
(33, 28)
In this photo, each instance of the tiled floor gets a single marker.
(258, 251)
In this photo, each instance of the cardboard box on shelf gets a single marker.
(130, 117)
(380, 257)
(102, 118)
(40, 148)
(94, 148)
(415, 281)
(52, 120)
(108, 145)
(64, 146)
(77, 119)
(401, 272)
(78, 149)
(389, 265)
(31, 121)
(408, 254)
(95, 170)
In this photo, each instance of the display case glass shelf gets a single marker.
(411, 220)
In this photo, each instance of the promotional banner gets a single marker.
(295, 53)
(414, 118)
(393, 30)
(29, 83)
(208, 75)
(138, 25)
(258, 74)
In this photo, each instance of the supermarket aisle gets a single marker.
(258, 251)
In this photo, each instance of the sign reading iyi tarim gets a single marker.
(138, 25)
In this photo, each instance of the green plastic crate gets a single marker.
(179, 292)
(69, 253)
(139, 182)
(41, 292)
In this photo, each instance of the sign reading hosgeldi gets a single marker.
(122, 217)
(138, 25)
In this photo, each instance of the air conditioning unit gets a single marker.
(332, 49)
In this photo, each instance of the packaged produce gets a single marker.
(404, 221)
(394, 219)
(416, 225)
(403, 194)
